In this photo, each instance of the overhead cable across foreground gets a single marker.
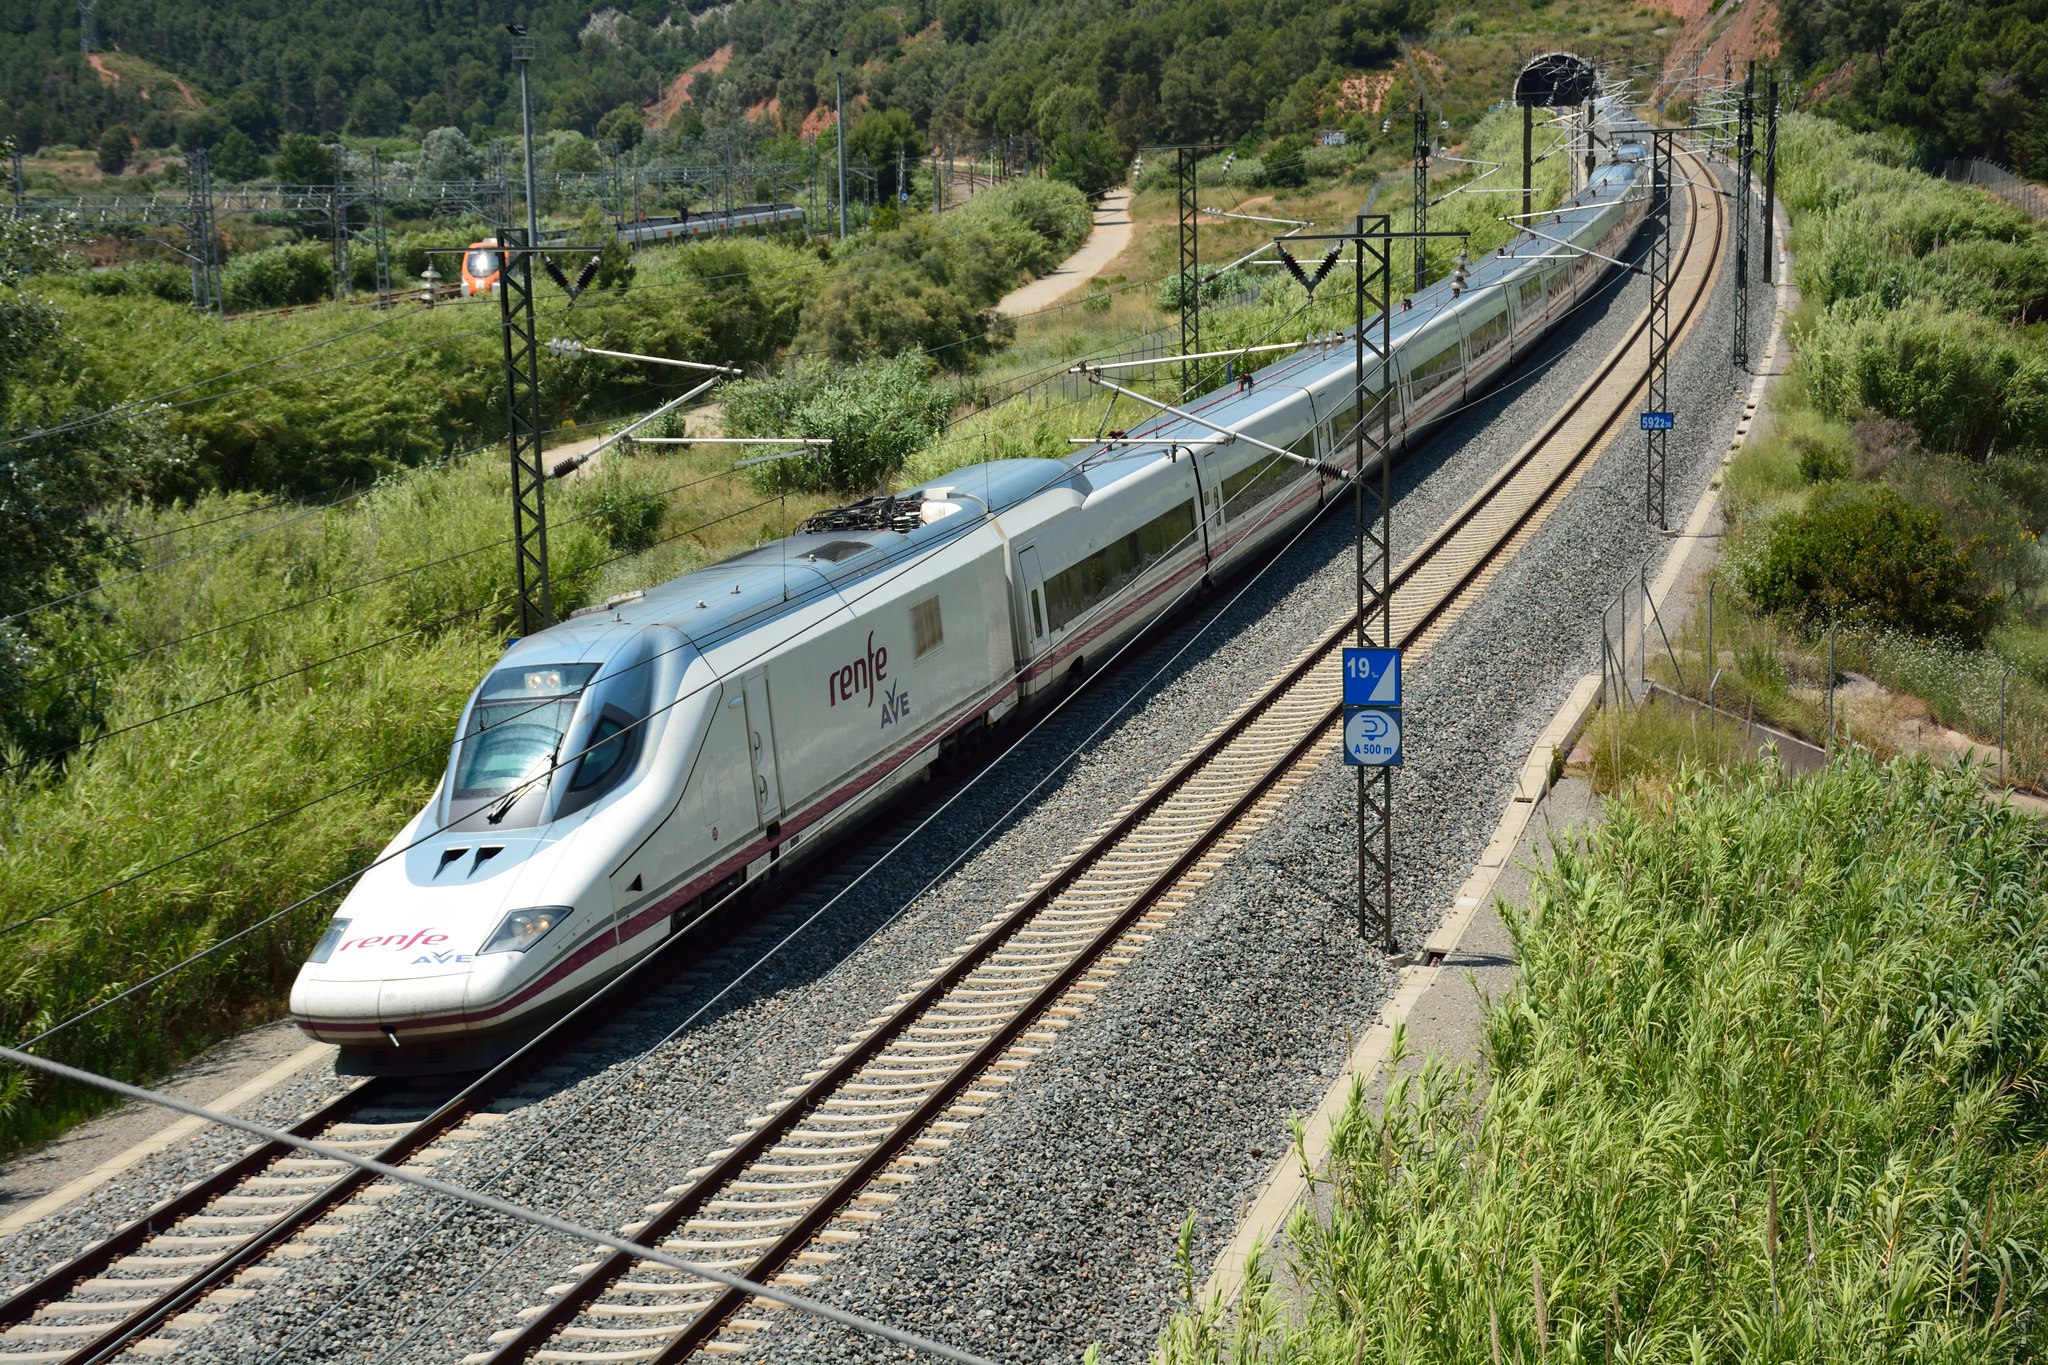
(503, 1207)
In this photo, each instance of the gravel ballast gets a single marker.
(1052, 1219)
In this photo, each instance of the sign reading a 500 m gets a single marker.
(1372, 707)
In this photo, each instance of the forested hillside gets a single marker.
(1061, 71)
(1960, 77)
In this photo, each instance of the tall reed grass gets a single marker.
(1770, 1090)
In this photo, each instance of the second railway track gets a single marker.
(821, 1170)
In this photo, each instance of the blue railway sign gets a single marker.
(1372, 677)
(1659, 421)
(1372, 737)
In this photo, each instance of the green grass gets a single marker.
(1770, 1090)
(369, 682)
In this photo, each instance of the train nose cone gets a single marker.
(419, 999)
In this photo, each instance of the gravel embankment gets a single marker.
(1051, 1222)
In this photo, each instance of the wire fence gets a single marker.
(1828, 684)
(1989, 175)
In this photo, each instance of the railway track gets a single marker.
(197, 1254)
(814, 1174)
(797, 1185)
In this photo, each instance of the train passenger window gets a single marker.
(1433, 372)
(1101, 575)
(1256, 482)
(927, 628)
(1344, 427)
(1532, 290)
(1488, 334)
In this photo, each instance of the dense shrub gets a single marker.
(1966, 384)
(625, 506)
(745, 295)
(1224, 286)
(1868, 555)
(877, 415)
(278, 277)
(1056, 212)
(154, 278)
(1285, 163)
(894, 309)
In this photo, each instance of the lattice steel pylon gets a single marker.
(1770, 177)
(337, 222)
(1421, 194)
(1656, 391)
(1373, 400)
(1745, 155)
(1375, 554)
(205, 244)
(381, 238)
(1190, 266)
(523, 431)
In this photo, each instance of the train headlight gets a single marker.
(329, 941)
(524, 928)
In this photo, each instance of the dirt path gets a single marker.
(1111, 235)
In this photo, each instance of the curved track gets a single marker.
(824, 1166)
(828, 1163)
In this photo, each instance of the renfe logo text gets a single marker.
(418, 938)
(859, 676)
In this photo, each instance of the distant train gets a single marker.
(618, 775)
(481, 262)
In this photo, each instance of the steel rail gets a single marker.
(702, 1189)
(501, 1079)
(63, 1278)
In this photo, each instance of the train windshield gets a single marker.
(516, 727)
(482, 263)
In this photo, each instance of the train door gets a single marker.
(1033, 587)
(761, 748)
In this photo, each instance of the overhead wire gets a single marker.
(987, 831)
(503, 1207)
(438, 748)
(849, 598)
(482, 446)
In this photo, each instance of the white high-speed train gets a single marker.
(620, 773)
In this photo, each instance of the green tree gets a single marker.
(376, 110)
(113, 155)
(445, 154)
(1285, 162)
(573, 153)
(1089, 162)
(235, 159)
(431, 110)
(251, 109)
(156, 130)
(877, 415)
(202, 131)
(622, 128)
(878, 140)
(302, 160)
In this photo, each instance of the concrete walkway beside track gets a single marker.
(1112, 233)
(1470, 959)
